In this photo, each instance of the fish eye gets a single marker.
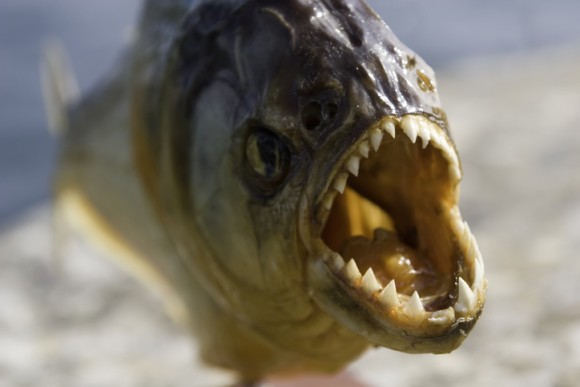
(268, 160)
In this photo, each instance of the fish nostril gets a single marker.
(330, 110)
(312, 116)
(316, 115)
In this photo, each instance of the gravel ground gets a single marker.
(82, 321)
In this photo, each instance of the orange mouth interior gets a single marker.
(393, 218)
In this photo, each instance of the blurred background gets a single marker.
(443, 33)
(508, 74)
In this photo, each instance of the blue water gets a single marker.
(93, 33)
(442, 31)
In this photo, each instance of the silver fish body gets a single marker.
(244, 151)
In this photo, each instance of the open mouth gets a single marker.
(392, 235)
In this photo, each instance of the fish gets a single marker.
(283, 174)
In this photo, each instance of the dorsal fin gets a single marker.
(59, 86)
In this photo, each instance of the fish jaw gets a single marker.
(389, 254)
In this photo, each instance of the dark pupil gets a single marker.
(270, 153)
(267, 155)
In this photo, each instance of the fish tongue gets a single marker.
(388, 257)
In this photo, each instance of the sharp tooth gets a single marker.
(353, 164)
(376, 138)
(465, 299)
(414, 307)
(455, 172)
(458, 226)
(479, 258)
(472, 248)
(389, 296)
(442, 317)
(438, 138)
(466, 237)
(336, 262)
(475, 249)
(440, 141)
(425, 135)
(370, 283)
(389, 127)
(467, 228)
(410, 128)
(451, 154)
(340, 182)
(478, 275)
(328, 199)
(363, 149)
(352, 272)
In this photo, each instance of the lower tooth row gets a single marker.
(466, 298)
(445, 316)
(411, 307)
(473, 257)
(414, 307)
(389, 296)
(468, 295)
(352, 272)
(369, 282)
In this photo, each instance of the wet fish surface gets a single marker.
(283, 172)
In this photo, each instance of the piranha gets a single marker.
(282, 172)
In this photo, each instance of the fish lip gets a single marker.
(344, 293)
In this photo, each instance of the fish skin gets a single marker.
(153, 166)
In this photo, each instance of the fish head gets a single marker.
(306, 162)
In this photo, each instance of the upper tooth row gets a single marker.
(353, 163)
(418, 126)
(413, 127)
(412, 307)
